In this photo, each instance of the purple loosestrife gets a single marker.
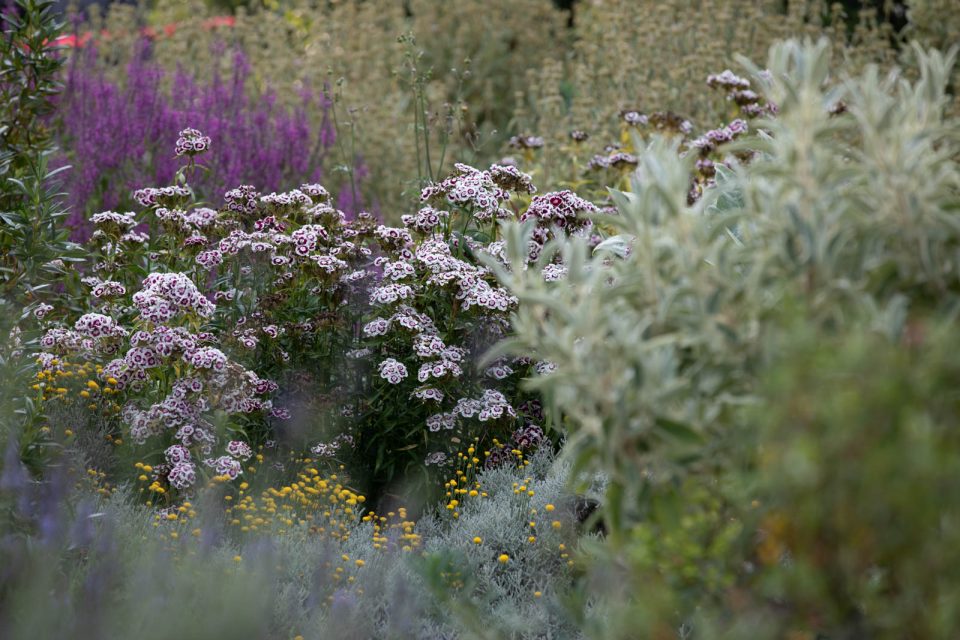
(120, 137)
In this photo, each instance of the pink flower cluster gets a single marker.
(242, 200)
(207, 358)
(330, 449)
(113, 221)
(239, 449)
(392, 370)
(225, 466)
(98, 326)
(166, 295)
(108, 289)
(191, 142)
(92, 334)
(391, 293)
(440, 421)
(190, 221)
(316, 192)
(152, 196)
(557, 210)
(483, 192)
(426, 220)
(293, 198)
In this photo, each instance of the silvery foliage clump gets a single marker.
(452, 587)
(135, 578)
(846, 213)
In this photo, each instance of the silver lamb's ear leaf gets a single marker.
(724, 173)
(617, 245)
(625, 201)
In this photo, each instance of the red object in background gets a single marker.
(74, 41)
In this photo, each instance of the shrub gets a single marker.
(33, 244)
(667, 332)
(674, 341)
(857, 519)
(27, 84)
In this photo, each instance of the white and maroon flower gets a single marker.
(42, 310)
(209, 259)
(428, 393)
(207, 358)
(392, 370)
(225, 466)
(177, 453)
(164, 295)
(239, 449)
(98, 326)
(182, 475)
(376, 327)
(191, 142)
(440, 421)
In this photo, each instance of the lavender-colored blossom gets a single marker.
(109, 127)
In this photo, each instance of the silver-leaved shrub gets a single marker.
(666, 335)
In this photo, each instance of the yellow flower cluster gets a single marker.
(393, 525)
(99, 482)
(324, 504)
(64, 381)
(179, 518)
(463, 484)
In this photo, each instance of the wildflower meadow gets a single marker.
(479, 319)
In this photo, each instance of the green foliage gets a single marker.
(936, 23)
(31, 229)
(28, 79)
(34, 251)
(34, 242)
(859, 520)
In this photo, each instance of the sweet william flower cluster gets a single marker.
(437, 308)
(393, 319)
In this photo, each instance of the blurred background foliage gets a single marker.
(480, 72)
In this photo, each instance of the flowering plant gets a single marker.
(172, 288)
(382, 327)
